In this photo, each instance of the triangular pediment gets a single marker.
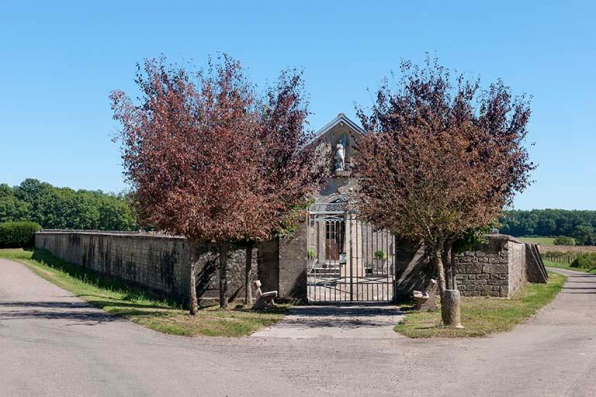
(338, 126)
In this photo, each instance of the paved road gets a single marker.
(52, 344)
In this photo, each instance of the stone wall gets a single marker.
(268, 265)
(496, 268)
(413, 269)
(292, 264)
(161, 264)
(208, 272)
(517, 265)
(158, 263)
(535, 270)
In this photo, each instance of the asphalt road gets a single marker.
(53, 344)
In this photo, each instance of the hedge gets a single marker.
(585, 261)
(18, 234)
(564, 240)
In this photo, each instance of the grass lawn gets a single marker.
(538, 240)
(566, 266)
(121, 299)
(484, 316)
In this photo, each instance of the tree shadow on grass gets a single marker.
(91, 299)
(132, 292)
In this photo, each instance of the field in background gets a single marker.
(547, 245)
(538, 240)
(567, 248)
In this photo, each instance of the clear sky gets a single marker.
(59, 61)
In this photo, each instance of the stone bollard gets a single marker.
(450, 308)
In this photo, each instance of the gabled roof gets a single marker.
(341, 118)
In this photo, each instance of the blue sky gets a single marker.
(59, 61)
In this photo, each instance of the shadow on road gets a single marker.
(341, 316)
(75, 311)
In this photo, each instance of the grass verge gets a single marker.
(484, 316)
(567, 266)
(118, 298)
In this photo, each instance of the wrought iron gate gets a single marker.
(348, 260)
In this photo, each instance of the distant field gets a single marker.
(538, 240)
(567, 248)
(547, 244)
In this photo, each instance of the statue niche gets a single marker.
(340, 157)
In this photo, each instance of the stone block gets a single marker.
(505, 291)
(496, 268)
(474, 268)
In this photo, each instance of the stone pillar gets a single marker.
(293, 260)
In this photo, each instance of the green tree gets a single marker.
(65, 208)
(584, 235)
(441, 158)
(13, 210)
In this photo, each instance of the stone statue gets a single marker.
(340, 157)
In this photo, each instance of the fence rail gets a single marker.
(559, 257)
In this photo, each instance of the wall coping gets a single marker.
(494, 237)
(109, 233)
(502, 237)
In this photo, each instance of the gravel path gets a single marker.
(352, 322)
(53, 344)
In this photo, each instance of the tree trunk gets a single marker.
(449, 265)
(440, 268)
(192, 293)
(223, 275)
(247, 289)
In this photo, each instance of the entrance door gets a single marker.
(335, 231)
(349, 260)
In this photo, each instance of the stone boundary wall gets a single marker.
(535, 269)
(496, 268)
(156, 262)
